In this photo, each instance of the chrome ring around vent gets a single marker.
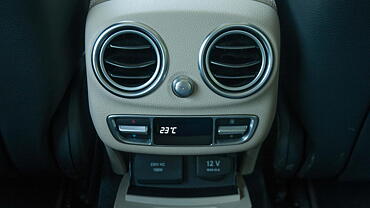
(263, 74)
(101, 60)
(262, 50)
(152, 37)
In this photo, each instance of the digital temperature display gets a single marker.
(168, 130)
(183, 131)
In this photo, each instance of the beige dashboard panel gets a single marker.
(183, 26)
(240, 200)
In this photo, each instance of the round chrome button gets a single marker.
(183, 86)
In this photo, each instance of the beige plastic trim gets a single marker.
(271, 3)
(117, 161)
(248, 161)
(96, 2)
(268, 2)
(183, 26)
(241, 200)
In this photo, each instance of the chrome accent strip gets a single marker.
(248, 64)
(130, 66)
(142, 47)
(236, 77)
(129, 77)
(235, 47)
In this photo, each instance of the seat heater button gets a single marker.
(158, 169)
(232, 130)
(128, 129)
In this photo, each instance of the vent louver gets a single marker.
(129, 60)
(235, 61)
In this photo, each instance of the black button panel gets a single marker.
(182, 131)
(157, 169)
(183, 172)
(214, 167)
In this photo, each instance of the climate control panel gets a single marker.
(182, 131)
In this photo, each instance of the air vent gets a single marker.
(235, 61)
(129, 59)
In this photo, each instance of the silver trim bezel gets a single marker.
(252, 126)
(266, 66)
(147, 33)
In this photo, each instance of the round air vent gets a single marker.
(235, 61)
(129, 59)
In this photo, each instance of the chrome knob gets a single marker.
(183, 86)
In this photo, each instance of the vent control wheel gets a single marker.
(183, 86)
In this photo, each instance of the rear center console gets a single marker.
(182, 93)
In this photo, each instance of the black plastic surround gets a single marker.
(182, 131)
(183, 176)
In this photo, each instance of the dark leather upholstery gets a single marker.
(325, 72)
(41, 43)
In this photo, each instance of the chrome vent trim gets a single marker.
(129, 59)
(245, 60)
